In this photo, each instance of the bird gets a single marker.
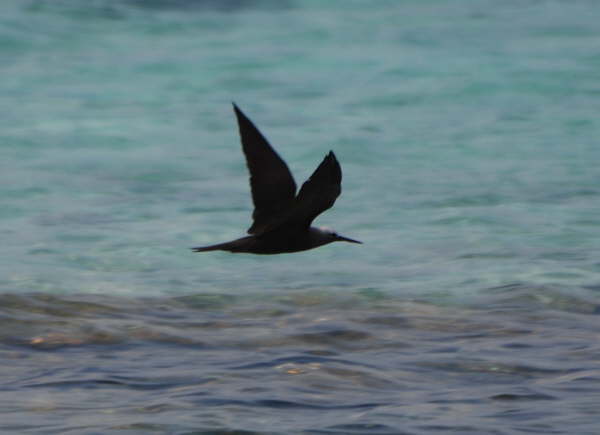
(281, 218)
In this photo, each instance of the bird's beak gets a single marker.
(346, 239)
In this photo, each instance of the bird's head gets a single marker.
(331, 236)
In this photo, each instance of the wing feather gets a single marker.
(319, 192)
(272, 184)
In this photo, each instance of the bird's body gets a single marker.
(281, 218)
(276, 242)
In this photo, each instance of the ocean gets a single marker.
(467, 131)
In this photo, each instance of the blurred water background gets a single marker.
(468, 135)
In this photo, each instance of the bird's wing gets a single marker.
(318, 193)
(272, 184)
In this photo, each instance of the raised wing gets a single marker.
(272, 184)
(319, 192)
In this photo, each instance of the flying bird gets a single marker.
(281, 218)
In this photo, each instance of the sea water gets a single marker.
(468, 136)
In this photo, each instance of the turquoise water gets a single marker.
(468, 136)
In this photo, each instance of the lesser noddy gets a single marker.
(281, 218)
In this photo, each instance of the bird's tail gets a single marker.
(217, 247)
(238, 245)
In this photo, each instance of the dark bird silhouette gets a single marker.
(281, 218)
